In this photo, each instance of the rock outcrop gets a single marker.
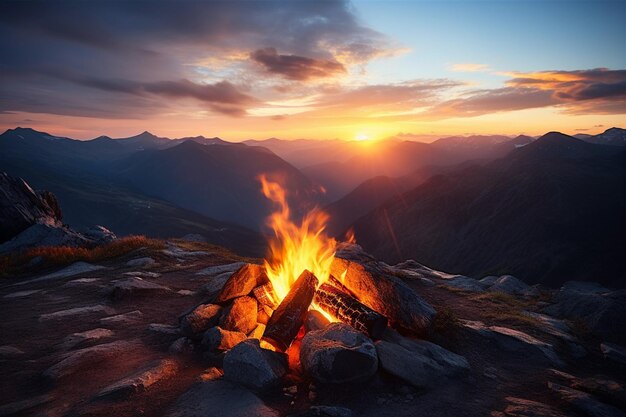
(29, 219)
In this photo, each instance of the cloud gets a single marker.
(296, 67)
(595, 91)
(106, 42)
(469, 67)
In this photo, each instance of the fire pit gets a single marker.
(302, 287)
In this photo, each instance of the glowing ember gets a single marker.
(295, 247)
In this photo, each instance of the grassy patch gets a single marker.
(445, 321)
(64, 255)
(505, 309)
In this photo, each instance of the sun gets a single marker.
(361, 137)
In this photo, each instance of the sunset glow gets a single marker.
(386, 65)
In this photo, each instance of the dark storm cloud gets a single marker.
(154, 44)
(296, 67)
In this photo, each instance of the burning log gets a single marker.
(286, 321)
(265, 295)
(349, 310)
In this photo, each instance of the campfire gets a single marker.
(305, 286)
(299, 276)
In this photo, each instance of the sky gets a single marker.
(318, 70)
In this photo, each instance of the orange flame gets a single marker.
(295, 247)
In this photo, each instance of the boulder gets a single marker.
(181, 346)
(77, 339)
(584, 402)
(515, 341)
(242, 282)
(219, 398)
(255, 367)
(165, 329)
(600, 311)
(217, 338)
(210, 374)
(510, 285)
(136, 287)
(418, 362)
(76, 268)
(77, 311)
(88, 357)
(21, 207)
(240, 316)
(338, 353)
(466, 284)
(141, 380)
(141, 262)
(559, 329)
(99, 234)
(220, 269)
(200, 319)
(383, 292)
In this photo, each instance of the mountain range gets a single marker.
(531, 204)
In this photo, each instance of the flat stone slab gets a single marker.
(126, 318)
(220, 398)
(136, 287)
(163, 329)
(80, 282)
(141, 262)
(87, 357)
(219, 269)
(78, 311)
(75, 269)
(514, 340)
(584, 402)
(77, 339)
(520, 407)
(141, 380)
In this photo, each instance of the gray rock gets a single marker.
(220, 269)
(78, 311)
(217, 338)
(74, 269)
(584, 402)
(99, 234)
(76, 339)
(181, 346)
(381, 291)
(240, 316)
(560, 329)
(136, 287)
(510, 285)
(614, 352)
(338, 353)
(215, 284)
(167, 329)
(255, 367)
(242, 282)
(141, 380)
(418, 362)
(80, 282)
(200, 319)
(489, 280)
(141, 262)
(131, 317)
(220, 398)
(601, 312)
(515, 341)
(88, 357)
(466, 284)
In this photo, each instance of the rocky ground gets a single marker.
(101, 340)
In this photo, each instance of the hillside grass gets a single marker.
(63, 255)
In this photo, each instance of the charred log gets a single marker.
(349, 310)
(265, 295)
(286, 321)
